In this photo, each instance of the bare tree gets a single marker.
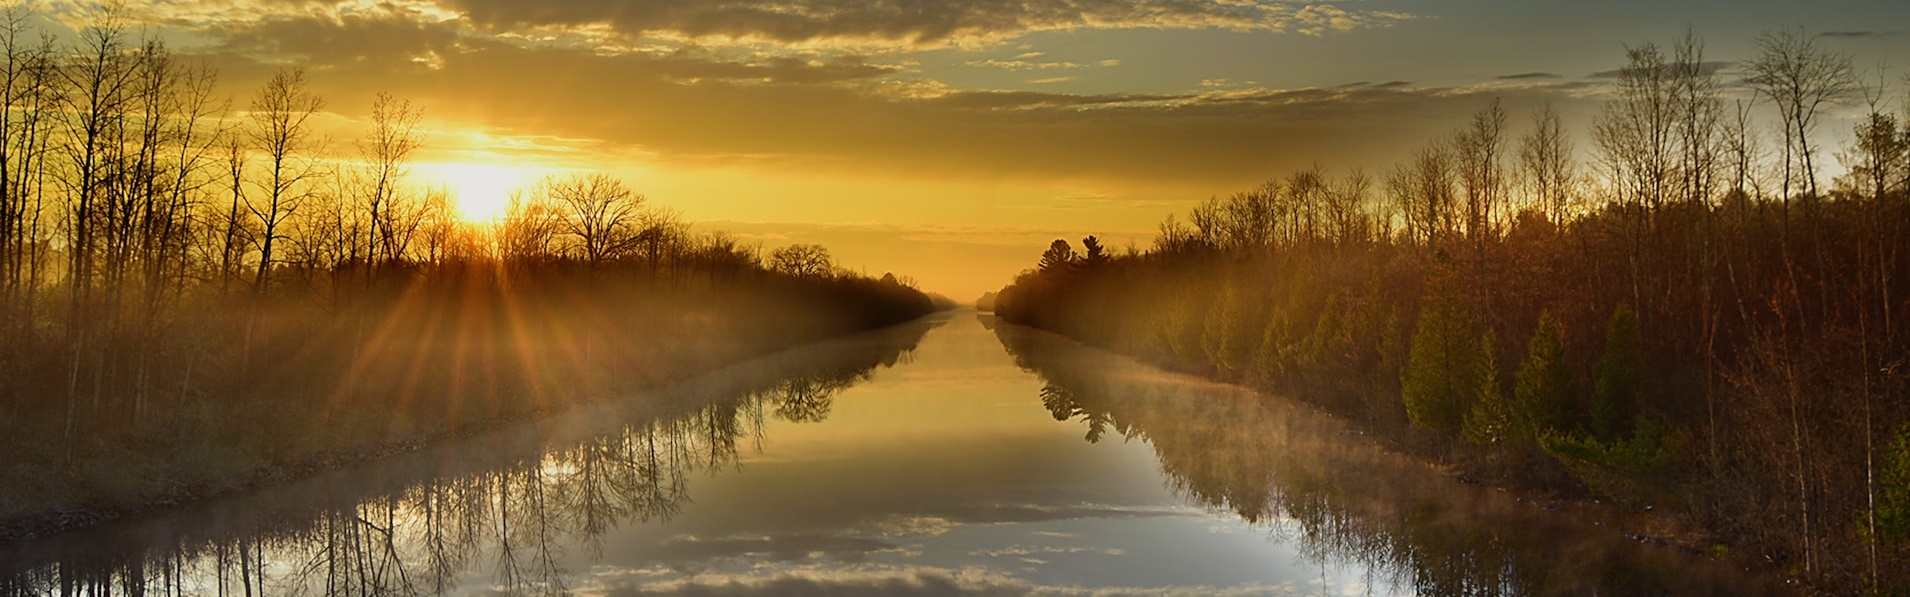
(1634, 131)
(1697, 119)
(95, 78)
(807, 261)
(1478, 149)
(527, 234)
(386, 151)
(281, 128)
(599, 211)
(1433, 194)
(1799, 77)
(1550, 173)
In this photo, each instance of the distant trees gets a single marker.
(802, 260)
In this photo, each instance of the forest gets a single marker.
(1687, 321)
(200, 293)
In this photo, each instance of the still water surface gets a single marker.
(950, 456)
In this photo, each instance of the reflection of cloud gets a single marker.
(774, 547)
(1023, 550)
(1027, 513)
(913, 526)
(891, 579)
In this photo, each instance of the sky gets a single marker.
(950, 141)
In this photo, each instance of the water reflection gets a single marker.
(825, 471)
(511, 502)
(1311, 481)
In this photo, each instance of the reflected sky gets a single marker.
(944, 476)
(921, 460)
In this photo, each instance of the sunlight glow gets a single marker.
(481, 191)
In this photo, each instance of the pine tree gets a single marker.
(1544, 392)
(1489, 422)
(1616, 401)
(1441, 374)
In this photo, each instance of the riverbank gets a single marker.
(712, 406)
(317, 391)
(1352, 496)
(1546, 489)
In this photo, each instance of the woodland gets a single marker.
(1690, 318)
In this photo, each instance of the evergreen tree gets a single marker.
(1893, 490)
(1222, 330)
(1544, 390)
(1618, 375)
(1441, 374)
(1059, 255)
(1489, 422)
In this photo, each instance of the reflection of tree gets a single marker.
(1339, 497)
(807, 399)
(522, 512)
(1061, 403)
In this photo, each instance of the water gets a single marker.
(949, 456)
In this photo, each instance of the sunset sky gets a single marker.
(950, 141)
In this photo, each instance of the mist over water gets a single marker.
(947, 456)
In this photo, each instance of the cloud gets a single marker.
(1708, 67)
(842, 114)
(387, 35)
(1021, 64)
(1859, 34)
(1527, 76)
(908, 22)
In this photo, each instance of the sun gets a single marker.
(480, 191)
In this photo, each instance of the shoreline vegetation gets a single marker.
(196, 298)
(575, 476)
(1689, 323)
(1349, 500)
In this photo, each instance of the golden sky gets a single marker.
(950, 140)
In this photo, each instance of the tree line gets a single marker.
(1353, 505)
(1692, 317)
(508, 509)
(195, 288)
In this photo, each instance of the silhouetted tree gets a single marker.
(1095, 254)
(802, 260)
(598, 212)
(1058, 256)
(281, 129)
